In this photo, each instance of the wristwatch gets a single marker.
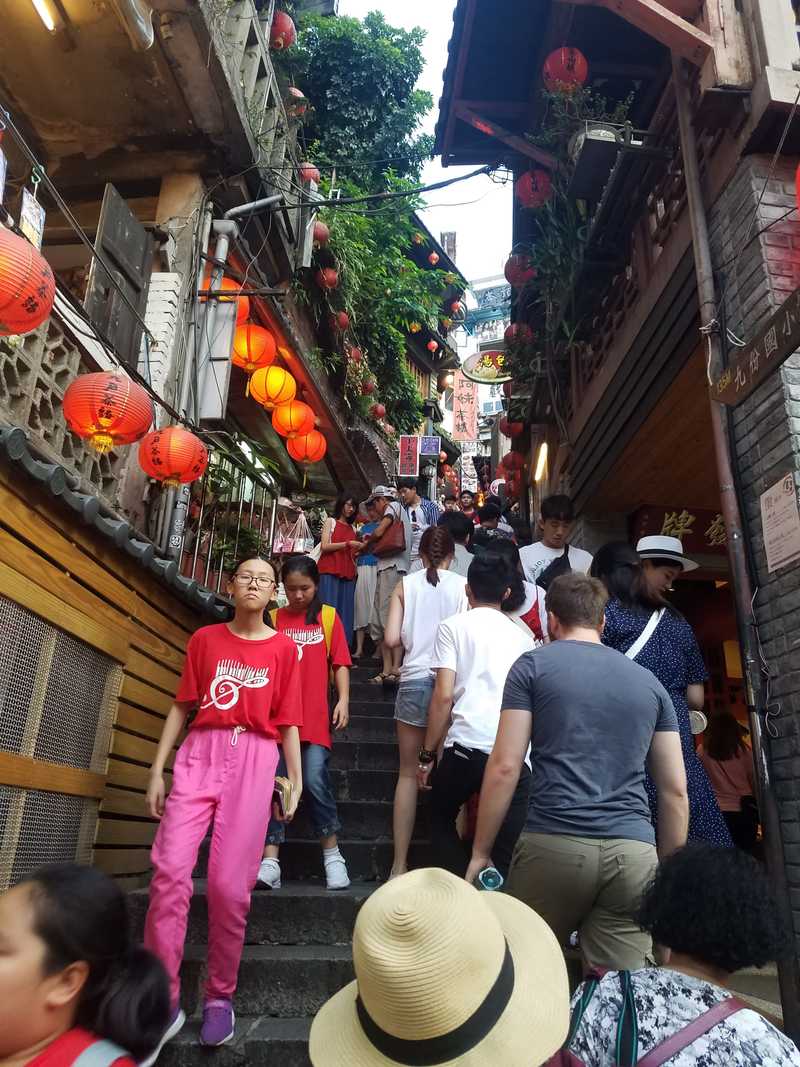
(426, 757)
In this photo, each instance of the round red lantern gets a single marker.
(308, 173)
(173, 456)
(432, 345)
(510, 429)
(565, 70)
(533, 188)
(355, 355)
(513, 461)
(282, 32)
(368, 387)
(378, 411)
(295, 102)
(27, 285)
(253, 347)
(519, 270)
(293, 419)
(457, 308)
(309, 448)
(433, 258)
(322, 233)
(232, 287)
(107, 410)
(271, 386)
(339, 321)
(518, 334)
(327, 278)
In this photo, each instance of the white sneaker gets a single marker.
(336, 876)
(174, 1028)
(269, 874)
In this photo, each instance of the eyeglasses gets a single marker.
(246, 579)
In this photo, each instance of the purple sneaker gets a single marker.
(218, 1022)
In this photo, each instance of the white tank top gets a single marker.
(425, 606)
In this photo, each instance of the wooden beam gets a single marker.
(662, 24)
(505, 108)
(26, 773)
(513, 140)
(458, 80)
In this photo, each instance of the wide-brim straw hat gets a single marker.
(446, 974)
(659, 546)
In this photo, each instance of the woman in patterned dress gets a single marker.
(636, 589)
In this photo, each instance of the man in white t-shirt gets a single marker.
(555, 524)
(472, 656)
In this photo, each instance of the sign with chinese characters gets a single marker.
(465, 408)
(469, 477)
(780, 522)
(408, 462)
(31, 218)
(701, 532)
(430, 446)
(486, 367)
(774, 344)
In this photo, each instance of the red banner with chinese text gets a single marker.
(465, 408)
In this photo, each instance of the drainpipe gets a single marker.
(737, 555)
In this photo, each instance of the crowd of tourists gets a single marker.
(546, 701)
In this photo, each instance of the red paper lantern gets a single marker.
(322, 233)
(327, 278)
(271, 386)
(518, 334)
(107, 410)
(513, 461)
(564, 70)
(378, 411)
(293, 419)
(282, 32)
(510, 429)
(519, 270)
(27, 285)
(433, 258)
(234, 288)
(310, 448)
(456, 308)
(253, 347)
(173, 456)
(368, 387)
(355, 355)
(533, 188)
(308, 173)
(339, 321)
(432, 345)
(295, 102)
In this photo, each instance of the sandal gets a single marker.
(379, 679)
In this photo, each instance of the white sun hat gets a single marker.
(658, 546)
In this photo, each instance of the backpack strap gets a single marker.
(273, 618)
(665, 1050)
(101, 1054)
(328, 614)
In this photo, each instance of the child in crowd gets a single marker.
(243, 679)
(318, 633)
(72, 982)
(544, 560)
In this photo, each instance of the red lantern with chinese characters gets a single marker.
(519, 270)
(368, 387)
(327, 278)
(253, 347)
(27, 285)
(355, 355)
(173, 456)
(433, 258)
(518, 334)
(308, 173)
(295, 102)
(322, 234)
(513, 461)
(282, 32)
(432, 346)
(510, 429)
(565, 70)
(533, 188)
(378, 411)
(107, 410)
(271, 386)
(234, 288)
(339, 321)
(308, 448)
(293, 419)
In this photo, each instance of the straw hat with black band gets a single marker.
(446, 975)
(658, 548)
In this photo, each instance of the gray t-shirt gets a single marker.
(594, 715)
(403, 559)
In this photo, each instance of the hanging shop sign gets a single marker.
(779, 338)
(408, 460)
(469, 478)
(780, 522)
(31, 218)
(465, 408)
(430, 446)
(702, 532)
(486, 367)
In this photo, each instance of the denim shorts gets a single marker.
(413, 698)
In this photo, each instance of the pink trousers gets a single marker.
(225, 776)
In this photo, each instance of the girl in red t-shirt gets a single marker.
(318, 633)
(243, 681)
(337, 567)
(71, 979)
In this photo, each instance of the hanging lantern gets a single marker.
(414, 327)
(417, 238)
(321, 234)
(271, 386)
(510, 429)
(327, 278)
(235, 289)
(27, 285)
(339, 321)
(295, 102)
(565, 70)
(377, 411)
(519, 270)
(442, 456)
(432, 346)
(533, 188)
(107, 410)
(293, 419)
(433, 258)
(368, 387)
(308, 173)
(173, 456)
(513, 461)
(253, 347)
(355, 355)
(447, 322)
(309, 448)
(457, 308)
(518, 334)
(282, 32)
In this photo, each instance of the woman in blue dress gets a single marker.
(636, 585)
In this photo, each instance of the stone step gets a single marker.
(260, 1041)
(362, 820)
(299, 913)
(364, 785)
(367, 728)
(363, 755)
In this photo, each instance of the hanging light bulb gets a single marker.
(541, 462)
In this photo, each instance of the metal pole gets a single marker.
(742, 586)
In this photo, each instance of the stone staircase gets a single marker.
(297, 946)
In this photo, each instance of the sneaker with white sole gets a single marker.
(219, 1023)
(175, 1026)
(269, 874)
(336, 876)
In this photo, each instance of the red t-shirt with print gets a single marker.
(66, 1049)
(236, 682)
(309, 639)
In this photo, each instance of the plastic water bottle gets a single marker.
(490, 878)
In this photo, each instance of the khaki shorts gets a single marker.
(384, 587)
(592, 885)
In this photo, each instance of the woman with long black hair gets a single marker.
(337, 568)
